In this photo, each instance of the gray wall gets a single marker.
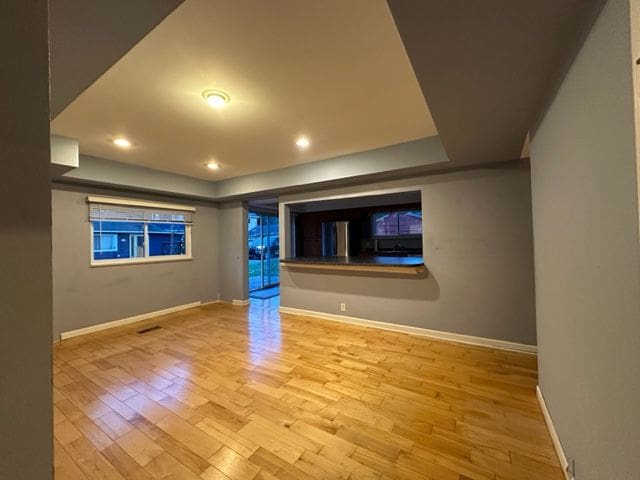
(85, 296)
(25, 243)
(425, 153)
(102, 172)
(234, 255)
(587, 255)
(478, 248)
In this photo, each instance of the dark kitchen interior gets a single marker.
(382, 225)
(362, 238)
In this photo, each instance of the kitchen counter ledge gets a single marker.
(409, 265)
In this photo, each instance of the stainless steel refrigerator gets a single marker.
(335, 239)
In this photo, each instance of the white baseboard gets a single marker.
(126, 321)
(212, 302)
(240, 303)
(554, 435)
(423, 332)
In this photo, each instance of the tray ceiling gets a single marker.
(334, 71)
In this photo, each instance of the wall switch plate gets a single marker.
(343, 307)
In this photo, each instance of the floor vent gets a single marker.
(149, 329)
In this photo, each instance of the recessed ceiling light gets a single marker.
(213, 166)
(216, 98)
(122, 142)
(303, 142)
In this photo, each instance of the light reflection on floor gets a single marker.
(265, 334)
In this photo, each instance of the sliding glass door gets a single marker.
(264, 250)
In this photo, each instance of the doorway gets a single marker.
(264, 251)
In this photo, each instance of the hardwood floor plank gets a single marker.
(193, 438)
(234, 465)
(271, 441)
(113, 425)
(65, 432)
(92, 463)
(321, 437)
(244, 446)
(278, 467)
(357, 470)
(165, 467)
(139, 447)
(320, 467)
(63, 464)
(126, 465)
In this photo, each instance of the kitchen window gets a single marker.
(397, 224)
(132, 231)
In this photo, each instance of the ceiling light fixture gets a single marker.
(213, 166)
(303, 142)
(122, 142)
(216, 98)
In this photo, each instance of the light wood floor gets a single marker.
(243, 393)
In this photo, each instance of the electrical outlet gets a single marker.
(343, 307)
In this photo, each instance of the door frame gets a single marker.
(134, 245)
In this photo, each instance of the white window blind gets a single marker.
(124, 213)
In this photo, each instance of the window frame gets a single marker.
(187, 256)
(399, 212)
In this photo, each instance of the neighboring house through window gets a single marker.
(398, 224)
(107, 242)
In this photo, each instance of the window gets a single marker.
(107, 242)
(401, 223)
(167, 239)
(137, 232)
(410, 223)
(385, 224)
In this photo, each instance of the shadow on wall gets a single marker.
(422, 287)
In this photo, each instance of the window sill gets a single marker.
(141, 261)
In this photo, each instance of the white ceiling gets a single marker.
(333, 70)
